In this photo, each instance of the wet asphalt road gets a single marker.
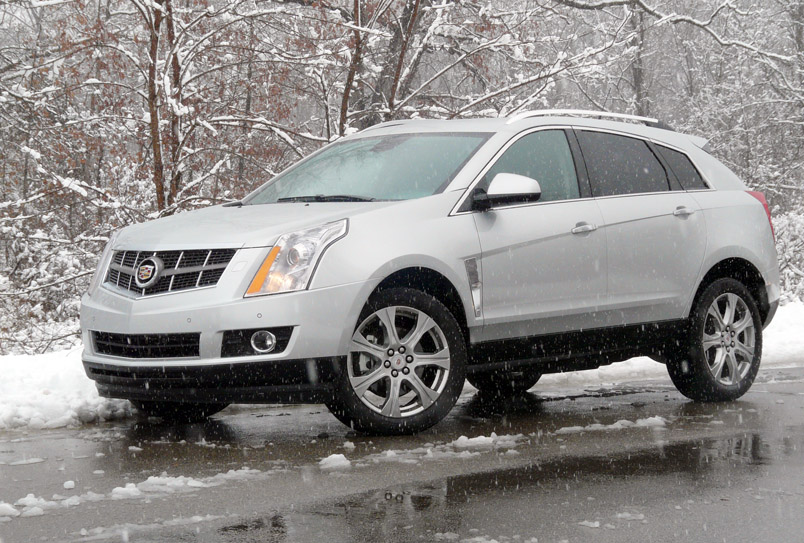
(718, 472)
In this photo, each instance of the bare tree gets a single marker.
(118, 111)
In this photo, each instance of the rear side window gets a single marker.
(685, 172)
(621, 165)
(544, 156)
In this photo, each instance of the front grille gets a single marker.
(183, 269)
(147, 345)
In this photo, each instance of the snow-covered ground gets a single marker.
(52, 391)
(154, 486)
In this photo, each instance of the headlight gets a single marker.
(103, 263)
(290, 264)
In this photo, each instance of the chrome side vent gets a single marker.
(475, 284)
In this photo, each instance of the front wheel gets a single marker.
(723, 345)
(406, 365)
(178, 412)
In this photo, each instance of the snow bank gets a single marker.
(126, 492)
(461, 448)
(590, 523)
(123, 532)
(783, 340)
(650, 422)
(26, 461)
(7, 511)
(155, 486)
(51, 391)
(335, 461)
(166, 484)
(490, 442)
(630, 516)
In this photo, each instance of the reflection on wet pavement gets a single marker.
(623, 463)
(522, 502)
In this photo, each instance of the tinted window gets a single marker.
(621, 165)
(686, 173)
(392, 167)
(544, 156)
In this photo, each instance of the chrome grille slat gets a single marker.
(184, 270)
(206, 261)
(175, 271)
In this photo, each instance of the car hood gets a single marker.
(236, 227)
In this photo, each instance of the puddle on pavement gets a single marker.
(517, 501)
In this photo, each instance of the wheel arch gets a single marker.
(743, 271)
(430, 282)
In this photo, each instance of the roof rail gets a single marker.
(585, 113)
(386, 124)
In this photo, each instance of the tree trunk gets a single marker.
(153, 110)
(641, 98)
(353, 66)
(241, 161)
(413, 18)
(174, 140)
(384, 94)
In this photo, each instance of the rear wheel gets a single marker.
(505, 383)
(178, 411)
(723, 345)
(406, 365)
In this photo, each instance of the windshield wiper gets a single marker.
(236, 203)
(328, 198)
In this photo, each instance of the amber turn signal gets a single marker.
(262, 273)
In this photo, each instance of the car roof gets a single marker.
(516, 124)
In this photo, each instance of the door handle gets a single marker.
(683, 211)
(583, 227)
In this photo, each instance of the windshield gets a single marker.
(394, 167)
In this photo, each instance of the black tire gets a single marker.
(505, 383)
(693, 367)
(358, 411)
(178, 411)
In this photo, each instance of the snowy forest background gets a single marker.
(119, 111)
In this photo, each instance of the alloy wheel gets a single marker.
(729, 339)
(399, 361)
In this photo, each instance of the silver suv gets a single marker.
(379, 273)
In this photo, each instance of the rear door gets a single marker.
(655, 231)
(543, 264)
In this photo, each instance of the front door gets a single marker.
(543, 265)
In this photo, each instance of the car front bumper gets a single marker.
(322, 322)
(286, 381)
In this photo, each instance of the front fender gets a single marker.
(411, 234)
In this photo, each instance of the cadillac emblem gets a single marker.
(148, 272)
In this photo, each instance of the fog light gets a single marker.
(263, 341)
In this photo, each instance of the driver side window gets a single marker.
(544, 156)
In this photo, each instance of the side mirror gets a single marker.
(505, 189)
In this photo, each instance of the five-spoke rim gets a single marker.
(399, 361)
(729, 339)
